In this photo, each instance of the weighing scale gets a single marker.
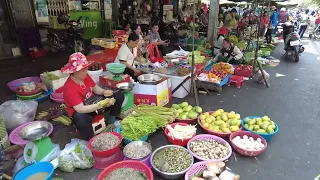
(117, 70)
(39, 145)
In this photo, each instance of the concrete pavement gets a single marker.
(291, 101)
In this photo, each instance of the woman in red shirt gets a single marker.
(263, 21)
(79, 88)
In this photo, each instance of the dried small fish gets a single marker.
(126, 174)
(104, 141)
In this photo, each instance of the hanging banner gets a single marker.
(91, 22)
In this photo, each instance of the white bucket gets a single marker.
(95, 75)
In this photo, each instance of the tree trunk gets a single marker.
(213, 21)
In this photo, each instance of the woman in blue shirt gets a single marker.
(274, 19)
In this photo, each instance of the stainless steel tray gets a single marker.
(35, 130)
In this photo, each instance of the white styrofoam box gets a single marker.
(108, 14)
(56, 84)
(184, 90)
(95, 75)
(108, 7)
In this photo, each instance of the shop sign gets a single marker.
(90, 22)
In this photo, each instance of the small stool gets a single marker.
(98, 124)
(236, 79)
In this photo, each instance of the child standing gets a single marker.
(268, 34)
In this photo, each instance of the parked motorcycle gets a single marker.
(316, 33)
(69, 39)
(291, 38)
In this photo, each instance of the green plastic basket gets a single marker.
(116, 68)
(29, 97)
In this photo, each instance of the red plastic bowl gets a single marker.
(56, 95)
(21, 92)
(178, 142)
(245, 152)
(220, 134)
(137, 165)
(105, 153)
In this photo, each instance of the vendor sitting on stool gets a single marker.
(127, 55)
(229, 53)
(78, 88)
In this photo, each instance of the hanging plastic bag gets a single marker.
(76, 154)
(17, 112)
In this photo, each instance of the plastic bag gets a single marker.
(76, 154)
(17, 112)
(259, 78)
(55, 152)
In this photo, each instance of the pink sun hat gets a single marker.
(77, 62)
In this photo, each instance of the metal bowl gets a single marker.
(125, 86)
(35, 130)
(138, 144)
(166, 175)
(149, 78)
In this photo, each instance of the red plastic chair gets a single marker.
(152, 49)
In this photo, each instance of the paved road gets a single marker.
(291, 101)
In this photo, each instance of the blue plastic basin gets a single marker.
(33, 169)
(267, 137)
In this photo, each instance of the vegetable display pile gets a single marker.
(209, 149)
(186, 111)
(181, 132)
(172, 160)
(51, 76)
(126, 174)
(146, 119)
(104, 141)
(260, 125)
(248, 143)
(135, 151)
(211, 172)
(198, 59)
(220, 121)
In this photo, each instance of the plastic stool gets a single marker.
(98, 124)
(236, 79)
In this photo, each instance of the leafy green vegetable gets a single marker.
(234, 39)
(146, 119)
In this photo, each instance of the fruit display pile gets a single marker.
(217, 73)
(221, 121)
(186, 111)
(259, 125)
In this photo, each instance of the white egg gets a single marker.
(245, 137)
(259, 140)
(251, 138)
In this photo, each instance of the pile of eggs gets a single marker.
(248, 143)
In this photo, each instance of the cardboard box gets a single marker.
(157, 95)
(109, 45)
(107, 82)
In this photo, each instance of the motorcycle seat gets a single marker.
(73, 23)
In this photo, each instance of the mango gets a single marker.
(224, 117)
(226, 130)
(216, 113)
(250, 127)
(228, 121)
(213, 118)
(272, 126)
(202, 117)
(184, 104)
(218, 118)
(187, 108)
(232, 115)
(238, 122)
(271, 122)
(256, 127)
(247, 120)
(234, 128)
(206, 114)
(216, 128)
(183, 116)
(246, 125)
(218, 123)
(259, 123)
(192, 115)
(221, 110)
(198, 109)
(206, 125)
(264, 126)
(175, 106)
(203, 121)
(238, 116)
(233, 122)
(252, 122)
(270, 130)
(265, 118)
(223, 125)
(210, 128)
(261, 131)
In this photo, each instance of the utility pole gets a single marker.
(213, 21)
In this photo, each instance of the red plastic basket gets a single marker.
(20, 92)
(137, 165)
(223, 135)
(178, 142)
(105, 153)
(245, 152)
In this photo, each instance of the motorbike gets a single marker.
(316, 33)
(291, 38)
(69, 39)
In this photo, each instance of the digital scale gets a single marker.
(39, 145)
(123, 84)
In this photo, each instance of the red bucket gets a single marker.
(179, 142)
